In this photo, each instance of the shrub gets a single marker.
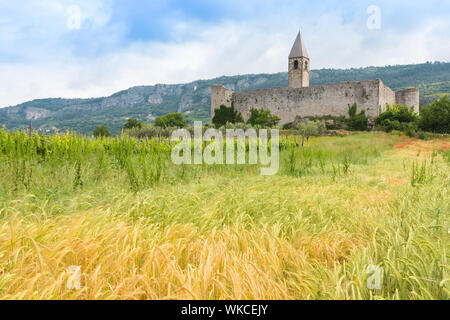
(175, 120)
(312, 128)
(225, 115)
(263, 118)
(410, 129)
(436, 116)
(132, 123)
(101, 131)
(396, 132)
(150, 131)
(398, 117)
(357, 122)
(422, 135)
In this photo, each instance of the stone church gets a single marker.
(301, 100)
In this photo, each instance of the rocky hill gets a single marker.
(193, 99)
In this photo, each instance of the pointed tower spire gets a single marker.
(299, 64)
(299, 48)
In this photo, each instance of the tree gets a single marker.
(398, 117)
(101, 131)
(225, 114)
(357, 122)
(263, 118)
(436, 116)
(132, 123)
(312, 128)
(174, 120)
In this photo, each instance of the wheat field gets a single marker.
(140, 228)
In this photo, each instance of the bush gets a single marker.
(436, 117)
(150, 131)
(102, 131)
(410, 129)
(287, 126)
(175, 120)
(225, 115)
(400, 118)
(132, 123)
(263, 118)
(357, 122)
(312, 128)
(422, 135)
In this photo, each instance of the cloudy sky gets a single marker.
(88, 48)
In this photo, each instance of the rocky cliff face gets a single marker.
(144, 102)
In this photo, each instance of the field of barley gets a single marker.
(140, 227)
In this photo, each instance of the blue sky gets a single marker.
(86, 48)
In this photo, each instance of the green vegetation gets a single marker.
(262, 118)
(142, 228)
(225, 115)
(312, 128)
(132, 123)
(171, 120)
(400, 118)
(357, 121)
(102, 131)
(436, 117)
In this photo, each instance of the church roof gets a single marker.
(299, 48)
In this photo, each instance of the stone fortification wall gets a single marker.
(330, 99)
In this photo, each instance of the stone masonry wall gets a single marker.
(329, 99)
(298, 78)
(220, 96)
(409, 97)
(386, 96)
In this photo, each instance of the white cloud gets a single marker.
(228, 48)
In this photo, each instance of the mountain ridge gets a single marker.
(193, 98)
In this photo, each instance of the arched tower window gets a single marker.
(295, 64)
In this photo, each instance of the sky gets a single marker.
(94, 48)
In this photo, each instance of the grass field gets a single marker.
(141, 228)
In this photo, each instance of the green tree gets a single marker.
(436, 116)
(312, 128)
(173, 120)
(398, 117)
(357, 122)
(225, 115)
(263, 118)
(132, 123)
(101, 131)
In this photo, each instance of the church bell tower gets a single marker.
(299, 64)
